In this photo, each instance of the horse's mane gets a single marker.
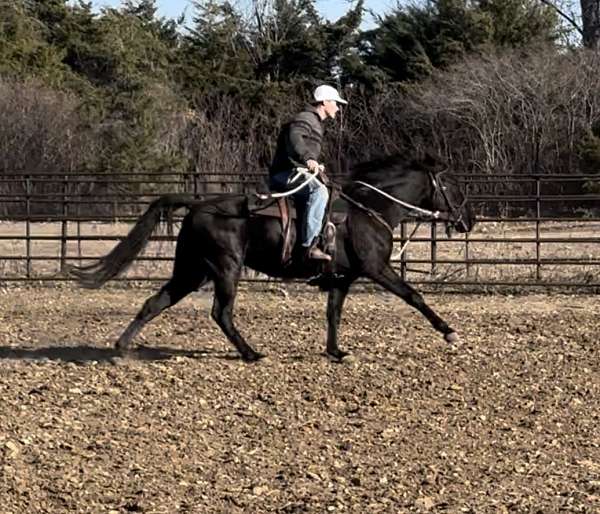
(382, 168)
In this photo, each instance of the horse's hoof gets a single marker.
(349, 359)
(253, 357)
(451, 337)
(123, 349)
(128, 352)
(118, 360)
(338, 356)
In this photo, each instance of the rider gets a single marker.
(299, 145)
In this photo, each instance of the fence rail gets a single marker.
(533, 230)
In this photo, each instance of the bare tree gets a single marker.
(41, 130)
(590, 15)
(589, 29)
(510, 114)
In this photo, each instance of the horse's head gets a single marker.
(393, 185)
(449, 198)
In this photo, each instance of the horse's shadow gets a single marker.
(84, 354)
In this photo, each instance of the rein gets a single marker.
(446, 216)
(433, 214)
(369, 211)
(436, 215)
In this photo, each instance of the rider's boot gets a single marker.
(315, 253)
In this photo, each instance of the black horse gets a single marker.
(220, 235)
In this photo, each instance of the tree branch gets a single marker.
(563, 15)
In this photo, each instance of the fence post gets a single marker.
(467, 242)
(433, 247)
(196, 176)
(65, 213)
(403, 256)
(467, 255)
(538, 212)
(28, 226)
(79, 254)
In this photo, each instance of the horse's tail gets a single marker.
(121, 256)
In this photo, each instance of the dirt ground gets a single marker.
(508, 421)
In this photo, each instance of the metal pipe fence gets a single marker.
(533, 230)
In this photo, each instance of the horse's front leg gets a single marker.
(335, 303)
(389, 279)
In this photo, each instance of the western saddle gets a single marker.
(284, 210)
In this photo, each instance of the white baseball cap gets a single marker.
(324, 92)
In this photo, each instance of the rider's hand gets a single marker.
(312, 165)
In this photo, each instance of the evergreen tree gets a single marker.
(411, 41)
(289, 42)
(139, 92)
(24, 48)
(214, 53)
(279, 41)
(519, 23)
(342, 39)
(146, 12)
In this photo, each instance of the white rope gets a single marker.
(405, 245)
(434, 214)
(299, 172)
(320, 168)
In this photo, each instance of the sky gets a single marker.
(330, 9)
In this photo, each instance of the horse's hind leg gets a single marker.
(222, 312)
(189, 274)
(389, 279)
(169, 295)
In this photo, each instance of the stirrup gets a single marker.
(316, 254)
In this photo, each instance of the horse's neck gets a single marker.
(410, 192)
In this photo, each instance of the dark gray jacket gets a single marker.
(299, 140)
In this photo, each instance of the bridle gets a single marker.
(454, 214)
(451, 216)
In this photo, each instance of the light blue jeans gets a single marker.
(310, 202)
